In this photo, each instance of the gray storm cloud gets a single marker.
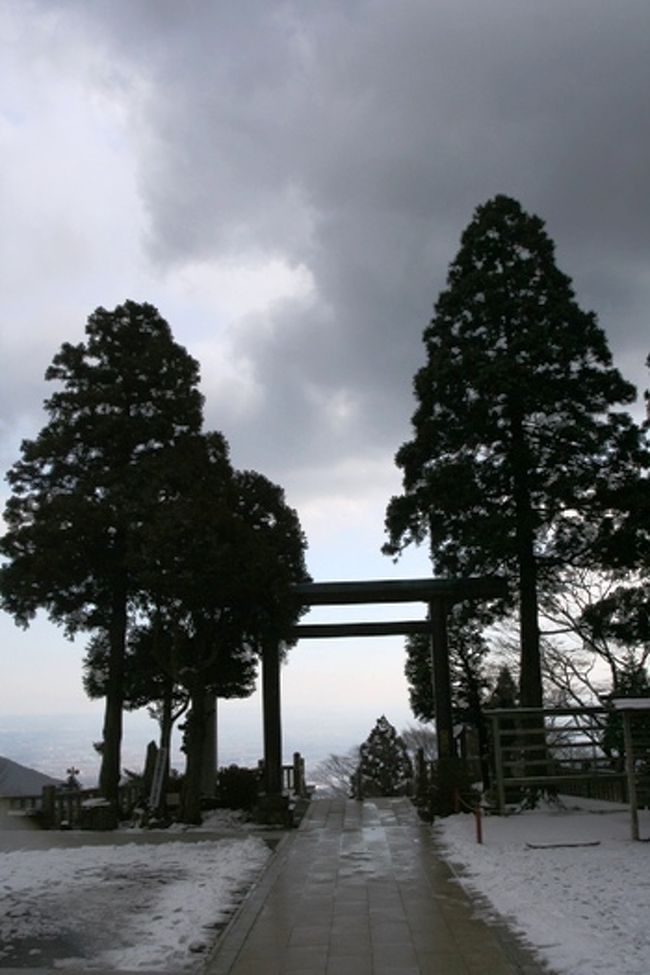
(355, 139)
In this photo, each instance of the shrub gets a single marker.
(237, 787)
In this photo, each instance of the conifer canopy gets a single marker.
(518, 442)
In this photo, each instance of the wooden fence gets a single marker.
(293, 776)
(56, 808)
(553, 748)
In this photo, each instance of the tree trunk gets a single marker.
(209, 775)
(530, 677)
(109, 775)
(530, 674)
(166, 725)
(190, 811)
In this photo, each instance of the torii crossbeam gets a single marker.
(438, 594)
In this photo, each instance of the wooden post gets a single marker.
(158, 779)
(498, 763)
(272, 719)
(631, 777)
(298, 774)
(150, 762)
(479, 824)
(420, 776)
(48, 806)
(441, 678)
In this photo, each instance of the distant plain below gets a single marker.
(54, 743)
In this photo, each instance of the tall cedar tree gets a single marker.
(227, 550)
(516, 449)
(81, 489)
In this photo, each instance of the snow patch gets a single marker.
(124, 907)
(583, 907)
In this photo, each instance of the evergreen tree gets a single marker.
(226, 550)
(83, 487)
(504, 693)
(517, 450)
(623, 615)
(384, 767)
(467, 651)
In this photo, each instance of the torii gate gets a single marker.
(438, 594)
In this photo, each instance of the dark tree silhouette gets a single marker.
(623, 614)
(467, 650)
(226, 549)
(82, 488)
(517, 451)
(151, 680)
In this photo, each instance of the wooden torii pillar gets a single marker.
(438, 594)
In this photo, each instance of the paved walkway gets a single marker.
(360, 890)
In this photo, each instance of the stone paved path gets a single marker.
(360, 890)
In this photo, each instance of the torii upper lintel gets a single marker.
(401, 590)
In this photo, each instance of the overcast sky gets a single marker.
(287, 183)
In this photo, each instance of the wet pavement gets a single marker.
(360, 889)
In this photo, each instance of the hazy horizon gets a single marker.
(52, 743)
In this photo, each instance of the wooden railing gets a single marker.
(56, 808)
(556, 748)
(293, 776)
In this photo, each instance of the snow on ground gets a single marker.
(122, 907)
(585, 908)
